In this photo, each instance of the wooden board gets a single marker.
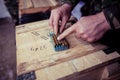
(44, 3)
(35, 52)
(80, 68)
(33, 6)
(24, 4)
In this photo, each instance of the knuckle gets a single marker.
(77, 36)
(85, 36)
(91, 39)
(78, 33)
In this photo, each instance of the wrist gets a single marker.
(102, 17)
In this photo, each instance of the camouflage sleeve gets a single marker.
(71, 2)
(111, 10)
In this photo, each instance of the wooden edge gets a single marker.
(49, 61)
(102, 65)
(35, 10)
(114, 77)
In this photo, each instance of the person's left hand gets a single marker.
(89, 28)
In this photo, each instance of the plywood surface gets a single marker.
(33, 6)
(35, 52)
(26, 4)
(80, 68)
(44, 3)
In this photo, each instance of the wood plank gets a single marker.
(25, 4)
(44, 3)
(33, 10)
(93, 75)
(55, 72)
(114, 77)
(105, 73)
(111, 72)
(94, 59)
(20, 4)
(29, 4)
(41, 74)
(89, 65)
(36, 52)
(34, 6)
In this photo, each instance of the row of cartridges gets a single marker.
(59, 45)
(62, 44)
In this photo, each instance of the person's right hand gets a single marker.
(61, 13)
(89, 28)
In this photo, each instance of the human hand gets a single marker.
(89, 28)
(61, 13)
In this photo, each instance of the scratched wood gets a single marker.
(34, 48)
(80, 68)
(33, 6)
(35, 51)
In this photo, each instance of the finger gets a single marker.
(56, 20)
(64, 20)
(66, 32)
(51, 20)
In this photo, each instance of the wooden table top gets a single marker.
(35, 52)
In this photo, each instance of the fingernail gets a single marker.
(58, 38)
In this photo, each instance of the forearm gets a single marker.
(112, 14)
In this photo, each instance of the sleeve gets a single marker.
(71, 2)
(111, 11)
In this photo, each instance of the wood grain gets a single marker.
(35, 52)
(34, 6)
(44, 3)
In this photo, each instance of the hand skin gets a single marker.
(61, 13)
(89, 28)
